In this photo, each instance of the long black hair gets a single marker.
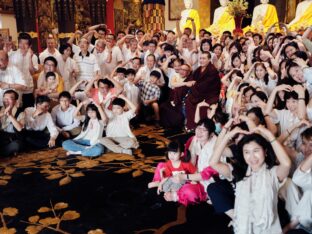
(257, 112)
(240, 166)
(266, 76)
(90, 107)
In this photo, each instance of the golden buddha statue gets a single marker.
(189, 12)
(264, 16)
(222, 20)
(303, 16)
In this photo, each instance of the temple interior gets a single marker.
(156, 116)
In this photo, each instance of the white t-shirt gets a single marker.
(171, 73)
(66, 68)
(93, 132)
(65, 119)
(145, 72)
(116, 58)
(101, 59)
(11, 75)
(76, 49)
(23, 64)
(88, 66)
(132, 93)
(40, 122)
(118, 125)
(285, 118)
(44, 54)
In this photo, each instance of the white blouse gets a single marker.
(256, 197)
(93, 132)
(304, 209)
(204, 155)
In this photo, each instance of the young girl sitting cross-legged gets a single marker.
(174, 166)
(86, 143)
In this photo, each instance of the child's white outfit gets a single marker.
(119, 137)
(132, 93)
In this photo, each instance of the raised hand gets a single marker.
(203, 103)
(263, 132)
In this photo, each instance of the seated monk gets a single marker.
(264, 16)
(303, 16)
(189, 13)
(222, 20)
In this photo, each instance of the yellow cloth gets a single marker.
(60, 86)
(194, 15)
(304, 21)
(225, 23)
(268, 20)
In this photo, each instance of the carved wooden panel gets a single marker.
(97, 11)
(47, 20)
(65, 10)
(6, 6)
(82, 15)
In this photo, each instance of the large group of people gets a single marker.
(245, 98)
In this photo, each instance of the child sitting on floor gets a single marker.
(150, 93)
(119, 138)
(86, 143)
(175, 165)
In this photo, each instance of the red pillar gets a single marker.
(110, 15)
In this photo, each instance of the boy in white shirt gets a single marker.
(63, 117)
(119, 138)
(131, 91)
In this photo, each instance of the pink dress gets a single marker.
(189, 193)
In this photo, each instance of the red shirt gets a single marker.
(185, 168)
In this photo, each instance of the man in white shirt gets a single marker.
(37, 119)
(50, 51)
(63, 117)
(101, 57)
(135, 63)
(145, 71)
(152, 47)
(87, 62)
(11, 124)
(27, 62)
(113, 53)
(10, 76)
(133, 50)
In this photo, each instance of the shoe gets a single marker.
(127, 151)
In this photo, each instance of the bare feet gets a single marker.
(171, 196)
(153, 184)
